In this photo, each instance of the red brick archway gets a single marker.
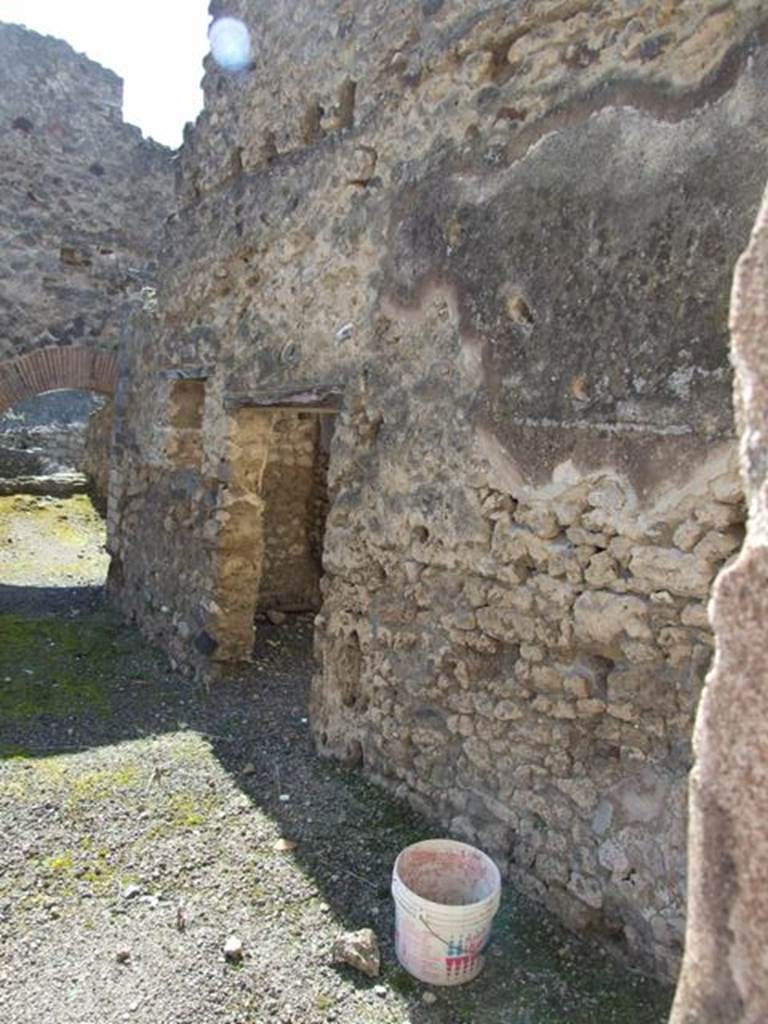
(51, 369)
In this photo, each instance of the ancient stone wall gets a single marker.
(724, 976)
(97, 447)
(293, 527)
(83, 198)
(504, 236)
(49, 433)
(47, 449)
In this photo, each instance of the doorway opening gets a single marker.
(295, 493)
(54, 472)
(273, 504)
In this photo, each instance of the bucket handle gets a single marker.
(422, 918)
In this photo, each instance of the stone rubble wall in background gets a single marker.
(37, 443)
(47, 434)
(83, 198)
(505, 234)
(37, 451)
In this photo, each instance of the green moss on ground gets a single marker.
(51, 666)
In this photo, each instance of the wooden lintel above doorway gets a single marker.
(320, 399)
(175, 373)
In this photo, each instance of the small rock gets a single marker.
(284, 798)
(131, 891)
(122, 954)
(233, 949)
(380, 991)
(277, 618)
(360, 950)
(284, 846)
(429, 998)
(250, 769)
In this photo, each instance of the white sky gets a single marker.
(156, 46)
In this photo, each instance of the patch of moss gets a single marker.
(189, 811)
(66, 868)
(60, 863)
(101, 785)
(12, 752)
(50, 771)
(187, 748)
(53, 666)
(324, 1001)
(100, 874)
(402, 982)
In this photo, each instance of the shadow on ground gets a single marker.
(153, 771)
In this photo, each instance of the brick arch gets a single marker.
(54, 368)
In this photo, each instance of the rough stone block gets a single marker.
(605, 618)
(656, 568)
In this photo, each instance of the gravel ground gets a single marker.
(142, 820)
(51, 542)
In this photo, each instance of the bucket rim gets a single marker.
(487, 901)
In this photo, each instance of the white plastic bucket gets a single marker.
(446, 894)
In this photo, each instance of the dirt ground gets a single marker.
(142, 817)
(57, 542)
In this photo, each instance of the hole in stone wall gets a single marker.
(184, 434)
(354, 755)
(72, 257)
(346, 105)
(269, 146)
(348, 664)
(311, 123)
(23, 124)
(519, 311)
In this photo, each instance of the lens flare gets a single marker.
(230, 44)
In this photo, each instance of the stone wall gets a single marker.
(42, 450)
(293, 527)
(724, 976)
(504, 236)
(46, 434)
(97, 448)
(83, 198)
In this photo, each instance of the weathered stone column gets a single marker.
(724, 978)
